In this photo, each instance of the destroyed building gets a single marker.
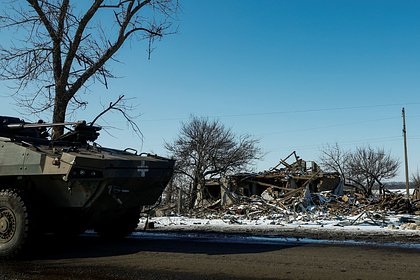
(288, 192)
(277, 182)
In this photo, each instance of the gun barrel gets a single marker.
(35, 125)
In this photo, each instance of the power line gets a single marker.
(318, 146)
(289, 112)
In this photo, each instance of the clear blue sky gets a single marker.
(296, 74)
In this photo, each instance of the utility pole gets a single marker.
(405, 155)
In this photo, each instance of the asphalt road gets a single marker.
(208, 257)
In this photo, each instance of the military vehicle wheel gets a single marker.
(14, 223)
(119, 227)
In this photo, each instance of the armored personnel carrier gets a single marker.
(70, 184)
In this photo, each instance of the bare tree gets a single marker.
(415, 178)
(363, 168)
(206, 149)
(368, 167)
(60, 45)
(334, 158)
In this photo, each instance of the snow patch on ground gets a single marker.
(393, 224)
(400, 228)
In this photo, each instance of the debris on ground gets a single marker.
(349, 209)
(295, 192)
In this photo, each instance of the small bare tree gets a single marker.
(334, 158)
(206, 149)
(58, 45)
(364, 167)
(368, 167)
(415, 178)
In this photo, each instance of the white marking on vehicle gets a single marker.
(142, 169)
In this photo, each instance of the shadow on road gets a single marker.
(91, 246)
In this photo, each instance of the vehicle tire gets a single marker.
(14, 223)
(119, 227)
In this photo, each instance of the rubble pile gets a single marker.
(299, 205)
(298, 193)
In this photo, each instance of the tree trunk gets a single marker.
(194, 190)
(59, 113)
